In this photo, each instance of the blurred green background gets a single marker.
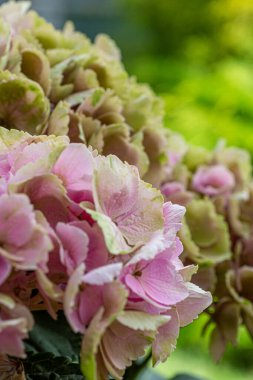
(198, 55)
(200, 60)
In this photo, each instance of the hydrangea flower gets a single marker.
(213, 180)
(216, 189)
(84, 234)
(60, 83)
(95, 240)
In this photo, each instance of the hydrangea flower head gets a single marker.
(60, 83)
(216, 189)
(83, 233)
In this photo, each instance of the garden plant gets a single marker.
(98, 258)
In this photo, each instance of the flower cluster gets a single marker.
(58, 82)
(217, 190)
(84, 234)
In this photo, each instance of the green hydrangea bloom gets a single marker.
(59, 82)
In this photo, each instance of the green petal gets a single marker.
(5, 43)
(35, 66)
(58, 123)
(209, 231)
(23, 104)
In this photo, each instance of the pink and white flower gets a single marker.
(93, 239)
(213, 180)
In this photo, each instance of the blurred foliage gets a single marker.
(214, 105)
(204, 104)
(167, 24)
(199, 30)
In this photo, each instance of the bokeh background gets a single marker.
(198, 55)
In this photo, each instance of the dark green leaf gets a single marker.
(52, 350)
(53, 336)
(46, 366)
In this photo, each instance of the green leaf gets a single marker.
(52, 350)
(55, 337)
(48, 366)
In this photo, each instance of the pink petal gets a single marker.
(133, 205)
(156, 281)
(75, 168)
(197, 301)
(173, 215)
(75, 245)
(30, 153)
(5, 269)
(147, 252)
(11, 342)
(97, 255)
(115, 196)
(90, 300)
(145, 218)
(103, 275)
(34, 253)
(16, 219)
(70, 300)
(166, 339)
(171, 188)
(213, 180)
(120, 346)
(49, 196)
(162, 284)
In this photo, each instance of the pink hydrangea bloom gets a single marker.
(171, 188)
(93, 239)
(213, 180)
(155, 281)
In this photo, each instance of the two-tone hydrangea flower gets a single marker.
(58, 82)
(216, 189)
(84, 234)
